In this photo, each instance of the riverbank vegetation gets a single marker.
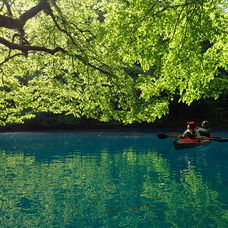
(113, 61)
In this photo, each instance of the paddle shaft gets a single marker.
(175, 134)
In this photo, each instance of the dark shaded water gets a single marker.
(111, 179)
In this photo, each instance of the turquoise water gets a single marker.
(111, 179)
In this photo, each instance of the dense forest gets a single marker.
(68, 63)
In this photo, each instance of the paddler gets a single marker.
(191, 131)
(204, 129)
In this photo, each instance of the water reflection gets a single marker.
(106, 185)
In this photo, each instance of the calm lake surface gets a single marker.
(111, 179)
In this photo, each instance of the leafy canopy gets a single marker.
(109, 59)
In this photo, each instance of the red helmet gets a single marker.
(192, 124)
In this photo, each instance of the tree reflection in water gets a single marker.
(127, 189)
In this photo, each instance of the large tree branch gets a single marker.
(43, 5)
(11, 23)
(26, 48)
(18, 24)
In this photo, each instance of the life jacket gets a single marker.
(204, 132)
(190, 134)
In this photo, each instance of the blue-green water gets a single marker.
(111, 179)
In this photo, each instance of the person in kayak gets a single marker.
(204, 129)
(191, 131)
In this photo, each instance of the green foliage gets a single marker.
(162, 39)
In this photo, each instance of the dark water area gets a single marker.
(111, 178)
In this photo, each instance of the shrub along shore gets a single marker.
(216, 112)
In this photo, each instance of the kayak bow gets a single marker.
(184, 143)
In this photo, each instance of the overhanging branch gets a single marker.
(10, 23)
(18, 25)
(34, 11)
(26, 48)
(11, 57)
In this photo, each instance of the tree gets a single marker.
(109, 60)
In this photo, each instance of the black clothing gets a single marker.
(204, 132)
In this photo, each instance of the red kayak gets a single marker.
(183, 143)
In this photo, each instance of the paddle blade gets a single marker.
(162, 136)
(175, 134)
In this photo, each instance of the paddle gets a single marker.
(164, 136)
(218, 139)
(175, 134)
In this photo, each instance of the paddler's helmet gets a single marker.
(191, 124)
(205, 123)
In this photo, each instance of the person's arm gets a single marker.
(203, 133)
(198, 134)
(185, 134)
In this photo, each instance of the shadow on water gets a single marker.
(110, 179)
